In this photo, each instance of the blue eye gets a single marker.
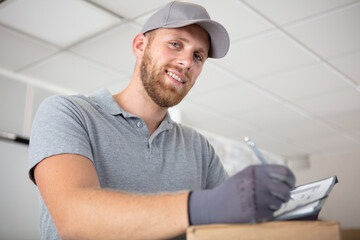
(198, 57)
(175, 44)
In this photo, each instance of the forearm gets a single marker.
(105, 214)
(80, 209)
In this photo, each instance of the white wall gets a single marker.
(343, 203)
(19, 211)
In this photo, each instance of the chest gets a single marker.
(128, 159)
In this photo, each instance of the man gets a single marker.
(117, 167)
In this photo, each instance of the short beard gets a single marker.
(162, 95)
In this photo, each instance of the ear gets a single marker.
(139, 43)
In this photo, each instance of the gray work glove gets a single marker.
(251, 195)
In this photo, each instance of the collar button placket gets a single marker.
(139, 124)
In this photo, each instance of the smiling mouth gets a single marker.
(174, 76)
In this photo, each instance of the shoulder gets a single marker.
(64, 105)
(65, 101)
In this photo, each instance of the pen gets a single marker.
(253, 147)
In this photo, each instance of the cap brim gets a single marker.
(219, 37)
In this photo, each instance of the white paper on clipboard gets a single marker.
(306, 199)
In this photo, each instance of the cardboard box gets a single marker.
(350, 234)
(289, 230)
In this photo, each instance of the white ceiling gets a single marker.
(290, 81)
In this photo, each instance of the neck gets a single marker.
(135, 100)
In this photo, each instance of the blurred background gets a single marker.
(290, 82)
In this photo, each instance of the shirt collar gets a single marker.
(106, 101)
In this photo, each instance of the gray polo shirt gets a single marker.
(125, 156)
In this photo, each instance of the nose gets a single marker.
(185, 60)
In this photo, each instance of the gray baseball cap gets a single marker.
(180, 14)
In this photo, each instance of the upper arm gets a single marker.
(59, 177)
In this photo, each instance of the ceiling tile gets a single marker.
(264, 55)
(340, 31)
(59, 22)
(234, 99)
(331, 103)
(135, 9)
(239, 21)
(74, 73)
(300, 130)
(285, 11)
(273, 115)
(142, 19)
(349, 64)
(303, 82)
(18, 50)
(112, 49)
(211, 79)
(12, 105)
(349, 120)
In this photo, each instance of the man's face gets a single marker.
(172, 61)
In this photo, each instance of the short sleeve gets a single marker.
(58, 127)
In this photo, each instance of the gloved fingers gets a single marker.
(281, 173)
(271, 178)
(274, 207)
(288, 180)
(284, 196)
(274, 172)
(279, 190)
(264, 215)
(271, 201)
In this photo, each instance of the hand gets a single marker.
(251, 195)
